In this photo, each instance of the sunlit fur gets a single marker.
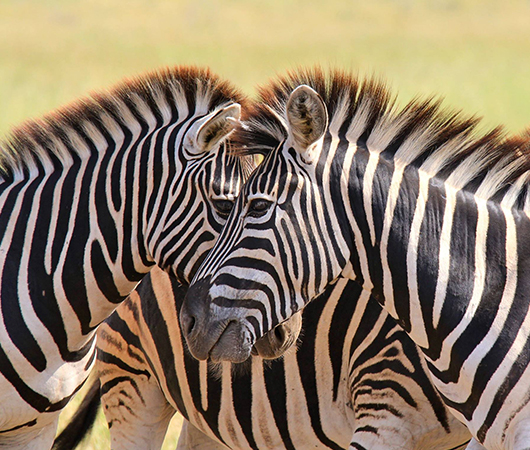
(415, 204)
(91, 197)
(355, 378)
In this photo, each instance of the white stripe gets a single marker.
(358, 245)
(444, 257)
(368, 181)
(417, 331)
(459, 391)
(393, 194)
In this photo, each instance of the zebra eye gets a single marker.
(223, 207)
(258, 207)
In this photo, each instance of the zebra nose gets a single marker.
(187, 323)
(195, 306)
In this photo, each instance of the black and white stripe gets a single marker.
(91, 197)
(355, 381)
(415, 206)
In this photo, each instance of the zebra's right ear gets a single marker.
(212, 129)
(307, 116)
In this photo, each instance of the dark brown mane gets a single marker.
(25, 142)
(350, 99)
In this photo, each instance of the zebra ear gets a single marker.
(211, 130)
(307, 116)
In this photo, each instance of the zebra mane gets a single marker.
(447, 144)
(156, 97)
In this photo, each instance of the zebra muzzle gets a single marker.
(276, 342)
(219, 336)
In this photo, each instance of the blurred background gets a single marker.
(474, 53)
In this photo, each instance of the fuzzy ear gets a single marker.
(307, 116)
(209, 131)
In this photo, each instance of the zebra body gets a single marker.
(414, 207)
(350, 384)
(91, 197)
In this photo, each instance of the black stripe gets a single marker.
(109, 358)
(27, 424)
(160, 335)
(34, 399)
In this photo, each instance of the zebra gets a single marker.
(359, 383)
(415, 205)
(92, 196)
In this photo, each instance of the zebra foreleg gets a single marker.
(137, 413)
(82, 422)
(191, 438)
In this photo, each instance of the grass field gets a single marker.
(474, 53)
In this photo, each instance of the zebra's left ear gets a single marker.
(209, 131)
(308, 118)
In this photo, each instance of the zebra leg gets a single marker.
(136, 409)
(137, 413)
(191, 438)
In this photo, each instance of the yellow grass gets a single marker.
(473, 52)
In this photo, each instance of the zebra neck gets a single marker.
(439, 260)
(69, 248)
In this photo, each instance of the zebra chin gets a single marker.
(234, 345)
(232, 342)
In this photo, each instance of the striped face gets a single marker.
(202, 201)
(193, 191)
(270, 259)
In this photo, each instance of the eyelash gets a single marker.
(258, 207)
(223, 207)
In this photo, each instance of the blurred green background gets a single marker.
(474, 53)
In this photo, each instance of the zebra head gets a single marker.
(201, 197)
(273, 255)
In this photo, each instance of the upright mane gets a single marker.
(156, 95)
(422, 133)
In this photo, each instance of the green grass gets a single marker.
(472, 52)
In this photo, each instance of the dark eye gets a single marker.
(223, 207)
(258, 207)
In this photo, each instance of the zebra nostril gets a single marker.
(191, 324)
(188, 323)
